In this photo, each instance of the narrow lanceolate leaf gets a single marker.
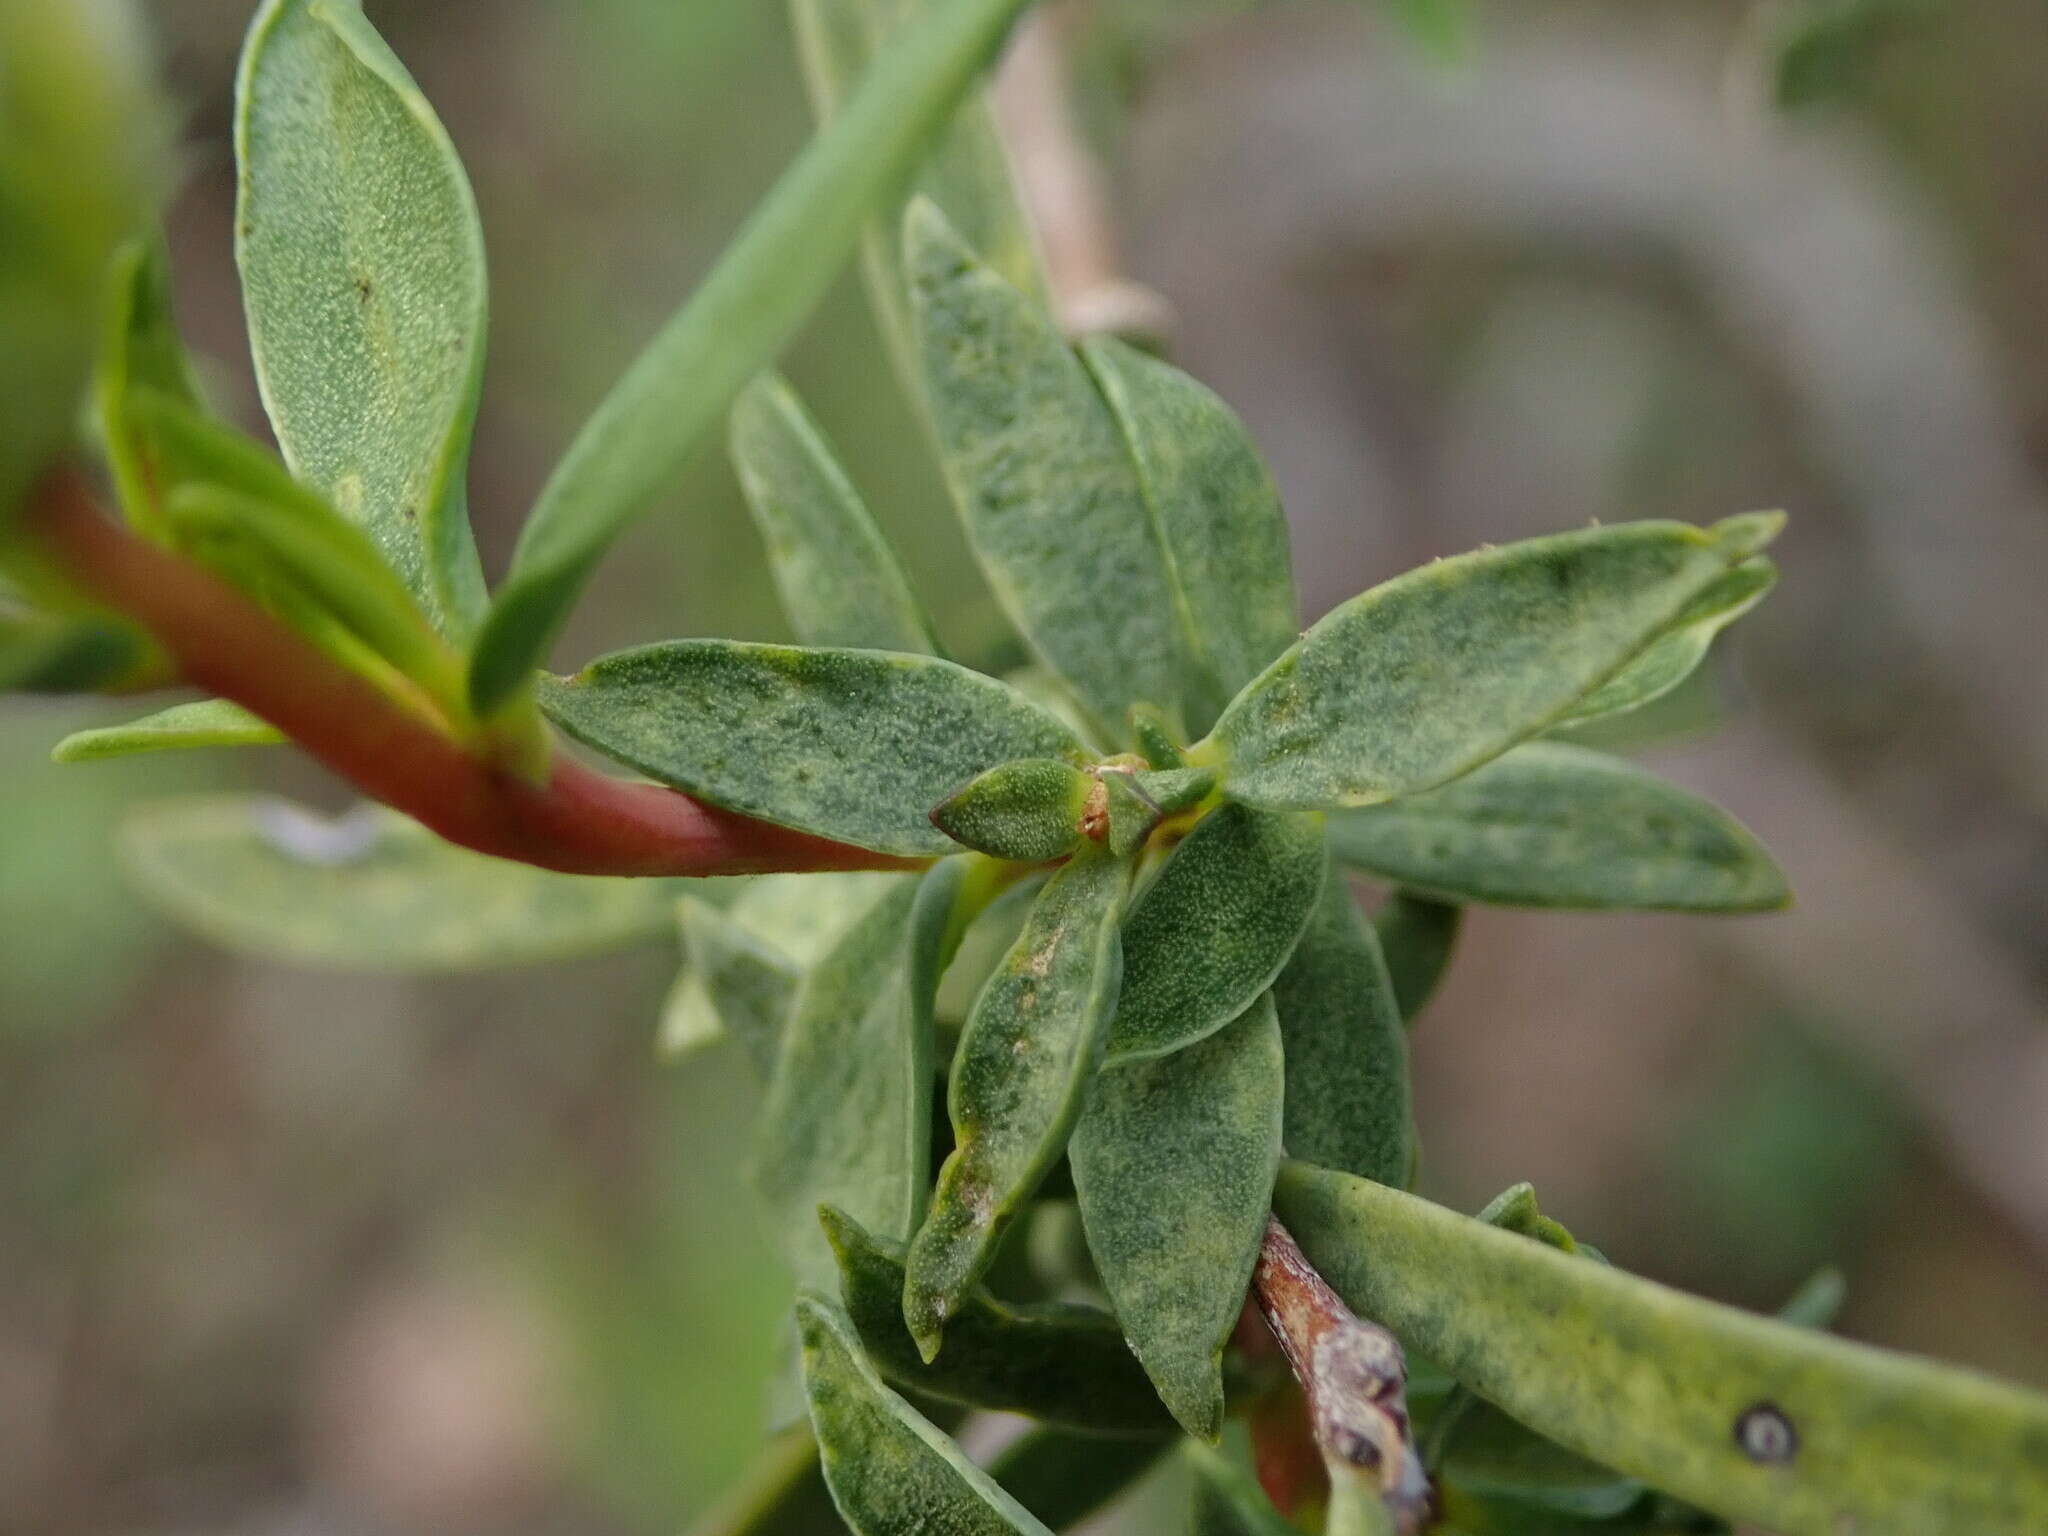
(769, 279)
(732, 983)
(1417, 936)
(846, 1118)
(1051, 501)
(141, 350)
(857, 746)
(1228, 1500)
(840, 582)
(371, 891)
(1214, 927)
(1551, 825)
(891, 1471)
(182, 727)
(782, 1494)
(1063, 1477)
(1674, 658)
(1751, 1418)
(1427, 677)
(1347, 1056)
(966, 172)
(363, 275)
(1173, 1164)
(1217, 514)
(1065, 1365)
(1022, 1067)
(1032, 810)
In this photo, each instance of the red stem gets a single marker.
(579, 822)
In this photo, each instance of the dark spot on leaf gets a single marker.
(1765, 1435)
(363, 289)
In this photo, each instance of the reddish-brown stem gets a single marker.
(1352, 1373)
(578, 821)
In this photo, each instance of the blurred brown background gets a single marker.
(290, 1253)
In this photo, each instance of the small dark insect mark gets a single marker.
(1765, 1435)
(363, 289)
(410, 513)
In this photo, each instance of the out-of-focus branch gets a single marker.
(573, 820)
(1066, 190)
(1353, 1375)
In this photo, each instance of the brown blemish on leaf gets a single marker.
(1095, 814)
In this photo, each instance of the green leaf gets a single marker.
(1427, 677)
(1417, 936)
(1216, 512)
(840, 582)
(1493, 1456)
(182, 727)
(846, 1120)
(1064, 1365)
(891, 1472)
(1515, 1210)
(1157, 739)
(1551, 825)
(1228, 1500)
(1173, 1164)
(1214, 927)
(732, 983)
(1063, 1477)
(141, 348)
(372, 891)
(1019, 1076)
(41, 654)
(1347, 1056)
(1753, 1419)
(363, 276)
(769, 279)
(1678, 655)
(1816, 1302)
(857, 746)
(1031, 810)
(1441, 28)
(1044, 484)
(966, 172)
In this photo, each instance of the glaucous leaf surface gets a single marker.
(891, 1472)
(1031, 1044)
(967, 172)
(1156, 738)
(1551, 825)
(1064, 1477)
(1436, 672)
(846, 1119)
(1751, 1418)
(1173, 1163)
(1030, 810)
(1228, 1500)
(732, 983)
(1042, 478)
(1417, 936)
(840, 582)
(1061, 1364)
(363, 276)
(1678, 655)
(1347, 1054)
(182, 727)
(371, 891)
(1216, 512)
(1214, 927)
(768, 281)
(857, 746)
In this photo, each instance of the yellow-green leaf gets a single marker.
(1032, 810)
(1042, 478)
(182, 727)
(1173, 1164)
(1677, 656)
(1551, 825)
(840, 582)
(363, 275)
(1751, 1418)
(1436, 672)
(857, 746)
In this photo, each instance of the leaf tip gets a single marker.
(1748, 534)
